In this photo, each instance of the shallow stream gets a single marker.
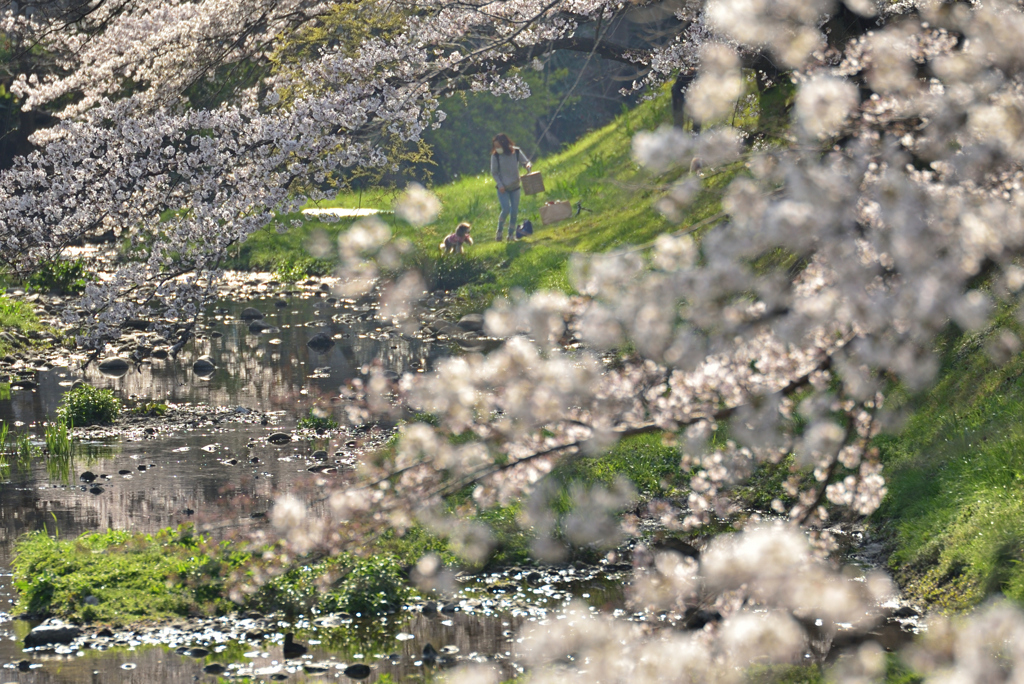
(226, 471)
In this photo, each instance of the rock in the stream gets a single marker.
(320, 342)
(279, 438)
(316, 669)
(50, 633)
(358, 671)
(251, 314)
(473, 322)
(140, 324)
(320, 455)
(259, 327)
(204, 365)
(87, 477)
(114, 367)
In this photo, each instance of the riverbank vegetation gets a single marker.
(87, 405)
(120, 577)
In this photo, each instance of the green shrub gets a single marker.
(367, 586)
(62, 277)
(373, 585)
(292, 270)
(150, 409)
(87, 405)
(314, 421)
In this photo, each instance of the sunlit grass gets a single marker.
(955, 507)
(16, 316)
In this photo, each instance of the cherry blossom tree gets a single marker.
(894, 198)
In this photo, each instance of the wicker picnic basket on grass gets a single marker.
(555, 211)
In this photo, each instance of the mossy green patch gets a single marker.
(121, 577)
(651, 466)
(785, 674)
(345, 583)
(316, 420)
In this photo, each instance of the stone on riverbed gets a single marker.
(137, 324)
(52, 632)
(204, 366)
(259, 327)
(251, 314)
(114, 367)
(359, 671)
(473, 322)
(279, 438)
(321, 342)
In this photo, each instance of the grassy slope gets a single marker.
(955, 508)
(598, 170)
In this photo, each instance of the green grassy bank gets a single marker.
(954, 514)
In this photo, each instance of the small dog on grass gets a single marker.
(453, 243)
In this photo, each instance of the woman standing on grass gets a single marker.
(505, 161)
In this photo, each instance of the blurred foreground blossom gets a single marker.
(417, 205)
(823, 104)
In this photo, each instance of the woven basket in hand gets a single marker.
(533, 183)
